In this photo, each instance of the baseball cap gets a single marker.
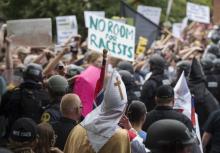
(24, 129)
(165, 91)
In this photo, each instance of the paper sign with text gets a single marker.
(116, 37)
(151, 13)
(31, 32)
(94, 13)
(66, 26)
(198, 13)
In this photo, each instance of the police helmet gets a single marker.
(125, 65)
(73, 70)
(215, 37)
(157, 61)
(213, 49)
(183, 65)
(33, 72)
(207, 61)
(127, 77)
(216, 64)
(57, 84)
(168, 132)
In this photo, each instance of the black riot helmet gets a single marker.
(216, 64)
(127, 77)
(125, 65)
(168, 135)
(214, 49)
(157, 62)
(33, 72)
(207, 61)
(183, 65)
(215, 36)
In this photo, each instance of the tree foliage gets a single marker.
(22, 9)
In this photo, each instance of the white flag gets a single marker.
(182, 96)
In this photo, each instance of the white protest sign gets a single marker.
(66, 26)
(152, 13)
(116, 37)
(31, 32)
(90, 13)
(198, 13)
(177, 30)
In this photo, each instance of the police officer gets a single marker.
(158, 78)
(213, 80)
(28, 99)
(57, 87)
(169, 136)
(133, 91)
(205, 102)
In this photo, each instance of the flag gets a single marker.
(193, 113)
(184, 101)
(144, 27)
(84, 87)
(99, 90)
(183, 96)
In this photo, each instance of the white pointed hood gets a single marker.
(102, 123)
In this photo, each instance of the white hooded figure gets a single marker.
(100, 127)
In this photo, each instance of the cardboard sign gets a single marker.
(142, 44)
(216, 11)
(90, 13)
(151, 13)
(66, 26)
(198, 13)
(31, 32)
(117, 38)
(177, 30)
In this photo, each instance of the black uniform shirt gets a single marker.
(62, 129)
(212, 126)
(166, 112)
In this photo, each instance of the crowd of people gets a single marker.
(48, 97)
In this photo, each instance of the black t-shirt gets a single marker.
(62, 129)
(212, 126)
(166, 112)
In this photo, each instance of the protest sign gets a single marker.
(66, 26)
(151, 13)
(198, 13)
(31, 32)
(142, 44)
(117, 38)
(89, 13)
(216, 11)
(177, 30)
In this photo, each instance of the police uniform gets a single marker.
(149, 89)
(62, 129)
(52, 113)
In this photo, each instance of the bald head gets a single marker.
(70, 103)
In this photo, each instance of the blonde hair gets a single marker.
(69, 102)
(92, 57)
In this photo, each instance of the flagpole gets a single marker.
(169, 7)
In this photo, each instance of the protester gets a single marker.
(57, 87)
(23, 136)
(46, 139)
(136, 114)
(169, 136)
(99, 131)
(70, 108)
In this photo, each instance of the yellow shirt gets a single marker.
(78, 142)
